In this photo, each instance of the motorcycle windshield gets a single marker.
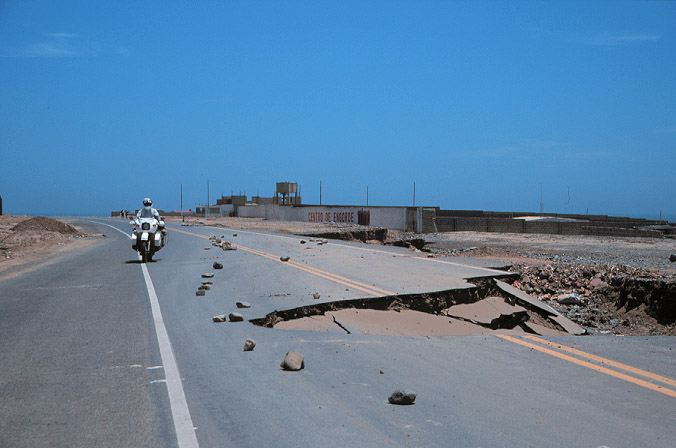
(145, 213)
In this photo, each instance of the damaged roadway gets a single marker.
(481, 390)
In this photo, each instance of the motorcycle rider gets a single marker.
(147, 211)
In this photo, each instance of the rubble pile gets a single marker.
(218, 242)
(40, 223)
(605, 298)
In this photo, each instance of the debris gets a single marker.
(597, 283)
(672, 258)
(207, 248)
(207, 282)
(293, 361)
(249, 345)
(208, 275)
(285, 259)
(234, 234)
(39, 223)
(302, 241)
(219, 318)
(204, 287)
(569, 299)
(227, 245)
(235, 317)
(243, 305)
(218, 265)
(200, 292)
(402, 397)
(316, 296)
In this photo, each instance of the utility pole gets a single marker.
(182, 217)
(367, 195)
(414, 194)
(542, 205)
(206, 211)
(320, 192)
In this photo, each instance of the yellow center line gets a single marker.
(610, 362)
(622, 376)
(188, 233)
(381, 291)
(315, 271)
(311, 271)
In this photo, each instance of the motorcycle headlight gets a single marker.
(145, 226)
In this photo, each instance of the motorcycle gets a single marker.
(148, 235)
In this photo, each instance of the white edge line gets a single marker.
(183, 425)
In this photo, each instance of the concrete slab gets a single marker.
(311, 323)
(522, 296)
(568, 325)
(404, 323)
(542, 330)
(485, 311)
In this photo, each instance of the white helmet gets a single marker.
(147, 202)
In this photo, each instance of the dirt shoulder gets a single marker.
(28, 242)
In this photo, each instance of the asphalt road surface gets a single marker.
(97, 349)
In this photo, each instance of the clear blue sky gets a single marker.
(105, 102)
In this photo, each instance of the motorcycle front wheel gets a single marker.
(145, 253)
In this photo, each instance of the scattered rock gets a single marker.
(219, 318)
(285, 259)
(234, 234)
(249, 345)
(218, 265)
(316, 296)
(402, 397)
(243, 305)
(207, 282)
(597, 283)
(235, 317)
(227, 245)
(569, 299)
(200, 292)
(208, 275)
(293, 361)
(207, 248)
(303, 242)
(204, 287)
(672, 258)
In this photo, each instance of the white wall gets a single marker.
(389, 217)
(251, 211)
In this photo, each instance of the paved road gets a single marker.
(80, 362)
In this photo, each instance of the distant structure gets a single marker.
(285, 189)
(0, 205)
(230, 205)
